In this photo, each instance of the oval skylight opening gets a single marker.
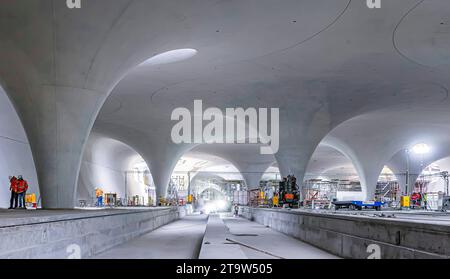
(172, 56)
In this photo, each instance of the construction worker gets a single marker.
(22, 188)
(99, 195)
(13, 188)
(425, 201)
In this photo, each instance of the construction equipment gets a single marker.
(288, 192)
(445, 203)
(387, 191)
(254, 198)
(359, 205)
(404, 201)
(275, 201)
(319, 193)
(30, 201)
(111, 199)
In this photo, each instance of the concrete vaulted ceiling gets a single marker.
(245, 157)
(341, 73)
(203, 165)
(327, 160)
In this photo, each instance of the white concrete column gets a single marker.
(161, 173)
(57, 66)
(252, 179)
(367, 162)
(253, 172)
(57, 121)
(369, 178)
(398, 165)
(301, 130)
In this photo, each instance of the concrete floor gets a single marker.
(266, 243)
(182, 239)
(178, 240)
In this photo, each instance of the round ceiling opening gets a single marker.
(171, 56)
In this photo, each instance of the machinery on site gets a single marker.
(318, 193)
(288, 193)
(358, 205)
(388, 191)
(445, 203)
(255, 197)
(266, 195)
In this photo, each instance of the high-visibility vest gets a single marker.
(13, 184)
(22, 186)
(98, 193)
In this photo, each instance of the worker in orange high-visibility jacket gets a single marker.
(13, 188)
(99, 195)
(22, 188)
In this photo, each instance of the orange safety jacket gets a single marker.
(22, 186)
(98, 193)
(13, 184)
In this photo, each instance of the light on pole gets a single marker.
(407, 173)
(418, 149)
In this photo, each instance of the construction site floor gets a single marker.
(180, 239)
(414, 216)
(255, 241)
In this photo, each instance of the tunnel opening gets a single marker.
(388, 188)
(330, 175)
(115, 170)
(433, 182)
(205, 181)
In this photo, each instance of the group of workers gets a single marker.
(18, 187)
(419, 200)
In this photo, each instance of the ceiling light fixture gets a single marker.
(421, 148)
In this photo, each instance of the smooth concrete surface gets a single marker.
(229, 237)
(215, 244)
(49, 234)
(15, 152)
(181, 239)
(368, 82)
(268, 240)
(342, 74)
(349, 235)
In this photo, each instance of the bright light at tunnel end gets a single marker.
(421, 148)
(215, 206)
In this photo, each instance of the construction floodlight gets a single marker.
(421, 148)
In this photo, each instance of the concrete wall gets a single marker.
(94, 232)
(15, 152)
(350, 236)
